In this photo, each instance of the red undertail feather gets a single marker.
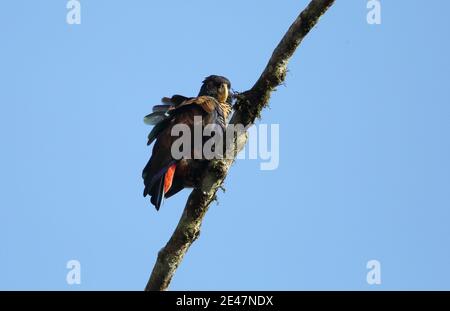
(169, 178)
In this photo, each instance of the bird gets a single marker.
(165, 175)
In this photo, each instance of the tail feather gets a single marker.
(157, 184)
(158, 197)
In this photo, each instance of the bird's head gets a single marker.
(217, 87)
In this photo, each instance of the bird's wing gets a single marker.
(159, 111)
(162, 159)
(155, 117)
(207, 103)
(161, 119)
(175, 100)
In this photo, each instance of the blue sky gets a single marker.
(364, 145)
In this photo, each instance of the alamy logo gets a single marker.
(73, 16)
(374, 14)
(213, 142)
(74, 275)
(374, 274)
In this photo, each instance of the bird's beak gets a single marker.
(226, 92)
(222, 93)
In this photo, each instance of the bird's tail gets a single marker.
(160, 184)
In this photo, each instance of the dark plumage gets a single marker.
(163, 175)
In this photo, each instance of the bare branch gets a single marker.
(248, 107)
